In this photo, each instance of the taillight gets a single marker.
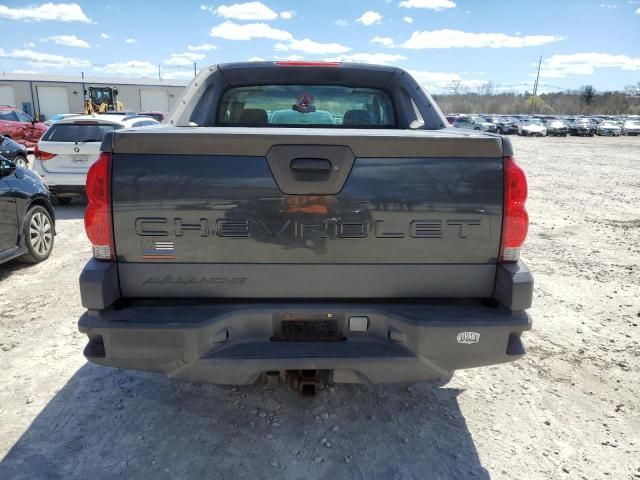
(41, 155)
(515, 221)
(97, 216)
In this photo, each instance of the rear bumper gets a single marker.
(62, 183)
(232, 343)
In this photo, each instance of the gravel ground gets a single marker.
(569, 409)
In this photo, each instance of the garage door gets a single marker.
(154, 100)
(53, 100)
(7, 97)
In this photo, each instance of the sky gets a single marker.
(445, 44)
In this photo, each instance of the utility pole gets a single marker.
(195, 69)
(159, 73)
(535, 85)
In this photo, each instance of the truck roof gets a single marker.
(198, 104)
(357, 74)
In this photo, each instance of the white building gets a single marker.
(43, 96)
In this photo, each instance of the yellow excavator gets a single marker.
(101, 100)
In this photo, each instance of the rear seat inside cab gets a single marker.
(254, 116)
(357, 117)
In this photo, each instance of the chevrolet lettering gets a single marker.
(333, 228)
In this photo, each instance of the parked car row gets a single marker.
(541, 126)
(16, 125)
(63, 156)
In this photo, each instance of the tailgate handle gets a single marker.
(311, 165)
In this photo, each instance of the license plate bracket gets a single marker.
(326, 327)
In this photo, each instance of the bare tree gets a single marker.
(587, 94)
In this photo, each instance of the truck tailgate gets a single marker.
(306, 213)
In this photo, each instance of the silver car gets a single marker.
(475, 123)
(608, 127)
(631, 127)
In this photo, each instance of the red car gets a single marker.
(20, 127)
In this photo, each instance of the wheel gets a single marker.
(64, 200)
(21, 161)
(38, 235)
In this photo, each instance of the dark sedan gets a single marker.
(27, 220)
(12, 150)
(503, 125)
(582, 127)
(557, 128)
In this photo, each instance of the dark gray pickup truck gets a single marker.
(310, 221)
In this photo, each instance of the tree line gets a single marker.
(584, 101)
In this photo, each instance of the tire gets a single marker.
(63, 200)
(38, 235)
(21, 161)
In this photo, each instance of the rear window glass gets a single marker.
(70, 132)
(8, 116)
(305, 106)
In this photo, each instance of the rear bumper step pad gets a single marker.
(277, 350)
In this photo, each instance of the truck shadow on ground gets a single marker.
(109, 424)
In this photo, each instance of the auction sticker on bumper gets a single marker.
(468, 337)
